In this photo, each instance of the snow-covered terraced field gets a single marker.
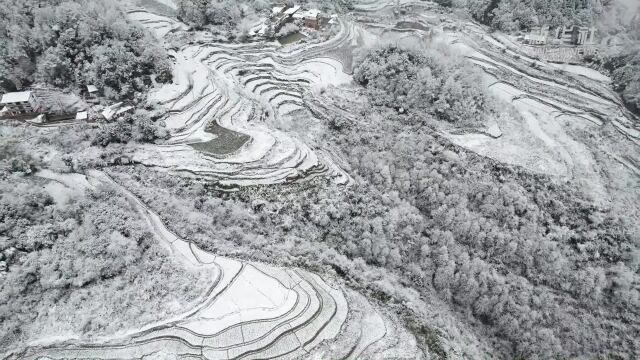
(228, 103)
(159, 25)
(562, 109)
(251, 310)
(244, 114)
(555, 103)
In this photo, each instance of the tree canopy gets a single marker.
(70, 43)
(511, 15)
(437, 82)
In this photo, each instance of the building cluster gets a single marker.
(282, 14)
(566, 35)
(54, 105)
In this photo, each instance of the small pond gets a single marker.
(226, 141)
(291, 38)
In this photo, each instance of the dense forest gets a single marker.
(435, 82)
(230, 14)
(70, 43)
(61, 246)
(137, 127)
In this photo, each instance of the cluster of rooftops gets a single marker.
(32, 103)
(58, 105)
(295, 12)
(311, 18)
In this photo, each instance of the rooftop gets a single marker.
(311, 14)
(82, 115)
(15, 97)
(110, 111)
(291, 11)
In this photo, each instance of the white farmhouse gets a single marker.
(17, 103)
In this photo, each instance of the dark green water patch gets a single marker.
(291, 38)
(226, 141)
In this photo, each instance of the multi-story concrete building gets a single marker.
(18, 103)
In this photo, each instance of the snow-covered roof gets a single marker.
(123, 110)
(92, 88)
(82, 115)
(293, 10)
(116, 109)
(109, 111)
(277, 9)
(308, 14)
(312, 13)
(15, 97)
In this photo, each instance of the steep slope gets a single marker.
(251, 310)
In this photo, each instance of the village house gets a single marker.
(311, 18)
(18, 103)
(282, 14)
(116, 110)
(90, 94)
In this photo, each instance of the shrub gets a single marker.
(287, 29)
(130, 127)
